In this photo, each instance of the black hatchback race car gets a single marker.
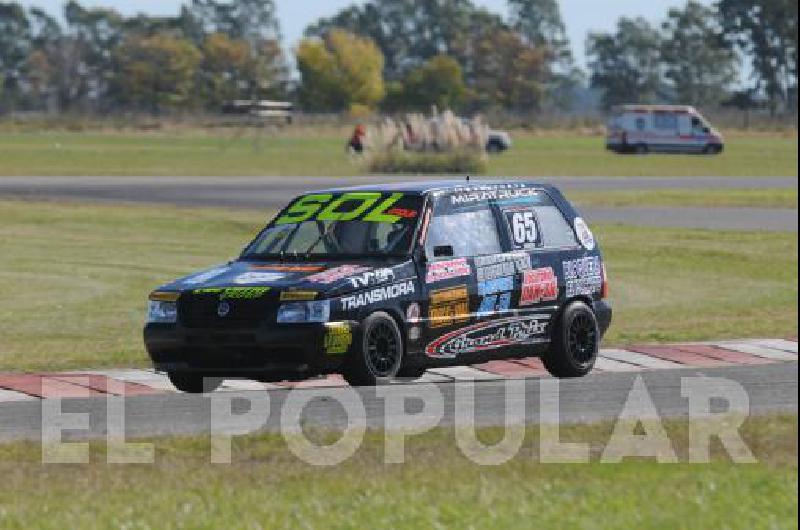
(379, 282)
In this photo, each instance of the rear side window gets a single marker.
(471, 230)
(551, 228)
(665, 120)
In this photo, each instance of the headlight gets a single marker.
(162, 308)
(295, 312)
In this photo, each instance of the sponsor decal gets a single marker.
(288, 268)
(499, 265)
(335, 274)
(235, 293)
(223, 309)
(449, 306)
(497, 285)
(538, 285)
(378, 295)
(584, 234)
(298, 296)
(524, 230)
(205, 276)
(412, 320)
(365, 206)
(503, 192)
(258, 277)
(490, 335)
(372, 277)
(444, 270)
(583, 276)
(403, 212)
(494, 303)
(338, 338)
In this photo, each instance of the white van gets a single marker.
(661, 128)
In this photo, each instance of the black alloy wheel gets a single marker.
(582, 338)
(379, 354)
(575, 341)
(383, 349)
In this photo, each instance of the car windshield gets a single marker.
(340, 225)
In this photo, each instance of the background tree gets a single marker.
(340, 71)
(439, 82)
(540, 24)
(156, 72)
(408, 32)
(97, 32)
(626, 65)
(766, 31)
(15, 46)
(225, 68)
(699, 64)
(510, 73)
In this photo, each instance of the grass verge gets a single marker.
(744, 198)
(75, 278)
(437, 487)
(304, 151)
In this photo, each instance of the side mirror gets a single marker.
(443, 251)
(706, 130)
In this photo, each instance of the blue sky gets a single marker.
(580, 16)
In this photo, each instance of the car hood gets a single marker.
(325, 279)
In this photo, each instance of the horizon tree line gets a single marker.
(394, 55)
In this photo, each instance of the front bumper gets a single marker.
(289, 348)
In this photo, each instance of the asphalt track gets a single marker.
(274, 192)
(770, 388)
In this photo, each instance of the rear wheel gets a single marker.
(377, 359)
(194, 383)
(575, 342)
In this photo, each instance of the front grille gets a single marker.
(201, 311)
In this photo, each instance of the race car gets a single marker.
(384, 282)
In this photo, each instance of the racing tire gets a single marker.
(575, 341)
(411, 372)
(378, 355)
(712, 149)
(194, 383)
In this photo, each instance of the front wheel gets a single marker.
(377, 358)
(194, 383)
(575, 343)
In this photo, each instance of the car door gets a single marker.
(464, 278)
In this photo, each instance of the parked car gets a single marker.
(661, 128)
(498, 141)
(379, 282)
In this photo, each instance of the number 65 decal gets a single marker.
(523, 228)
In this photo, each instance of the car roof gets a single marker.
(426, 186)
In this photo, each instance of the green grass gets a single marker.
(746, 198)
(437, 487)
(304, 151)
(75, 278)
